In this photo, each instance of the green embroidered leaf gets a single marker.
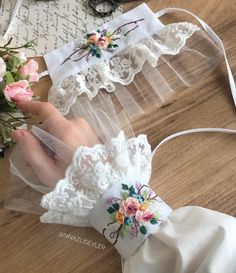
(132, 189)
(125, 195)
(110, 46)
(115, 45)
(156, 214)
(98, 55)
(125, 187)
(145, 194)
(153, 221)
(110, 210)
(113, 217)
(143, 230)
(116, 206)
(126, 229)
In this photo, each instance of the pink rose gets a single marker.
(94, 37)
(18, 91)
(103, 42)
(30, 70)
(130, 206)
(144, 215)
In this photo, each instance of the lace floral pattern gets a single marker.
(91, 173)
(121, 68)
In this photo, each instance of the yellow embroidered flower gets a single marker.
(143, 206)
(120, 217)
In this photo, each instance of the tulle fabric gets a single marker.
(26, 189)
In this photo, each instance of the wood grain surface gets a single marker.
(192, 170)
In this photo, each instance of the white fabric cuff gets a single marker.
(127, 213)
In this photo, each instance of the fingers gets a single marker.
(36, 157)
(43, 110)
(85, 133)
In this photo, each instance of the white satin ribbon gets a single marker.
(193, 131)
(214, 37)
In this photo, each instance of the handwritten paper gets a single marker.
(51, 24)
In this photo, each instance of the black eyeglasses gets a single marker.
(104, 8)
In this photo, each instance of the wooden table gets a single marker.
(193, 170)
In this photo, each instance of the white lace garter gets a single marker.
(122, 67)
(92, 172)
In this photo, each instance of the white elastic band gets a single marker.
(43, 74)
(193, 131)
(214, 37)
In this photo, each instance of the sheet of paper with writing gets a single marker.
(50, 24)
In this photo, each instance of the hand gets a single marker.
(73, 133)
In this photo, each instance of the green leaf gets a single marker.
(143, 230)
(110, 210)
(110, 46)
(18, 124)
(98, 55)
(13, 63)
(9, 78)
(125, 195)
(115, 45)
(145, 194)
(116, 206)
(153, 221)
(126, 228)
(5, 107)
(2, 85)
(125, 187)
(18, 77)
(113, 217)
(132, 189)
(12, 104)
(156, 215)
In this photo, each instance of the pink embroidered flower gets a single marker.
(104, 42)
(130, 206)
(18, 91)
(30, 70)
(143, 215)
(95, 36)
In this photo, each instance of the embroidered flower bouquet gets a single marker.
(16, 78)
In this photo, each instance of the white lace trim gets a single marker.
(121, 68)
(91, 173)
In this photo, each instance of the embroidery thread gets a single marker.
(133, 211)
(95, 42)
